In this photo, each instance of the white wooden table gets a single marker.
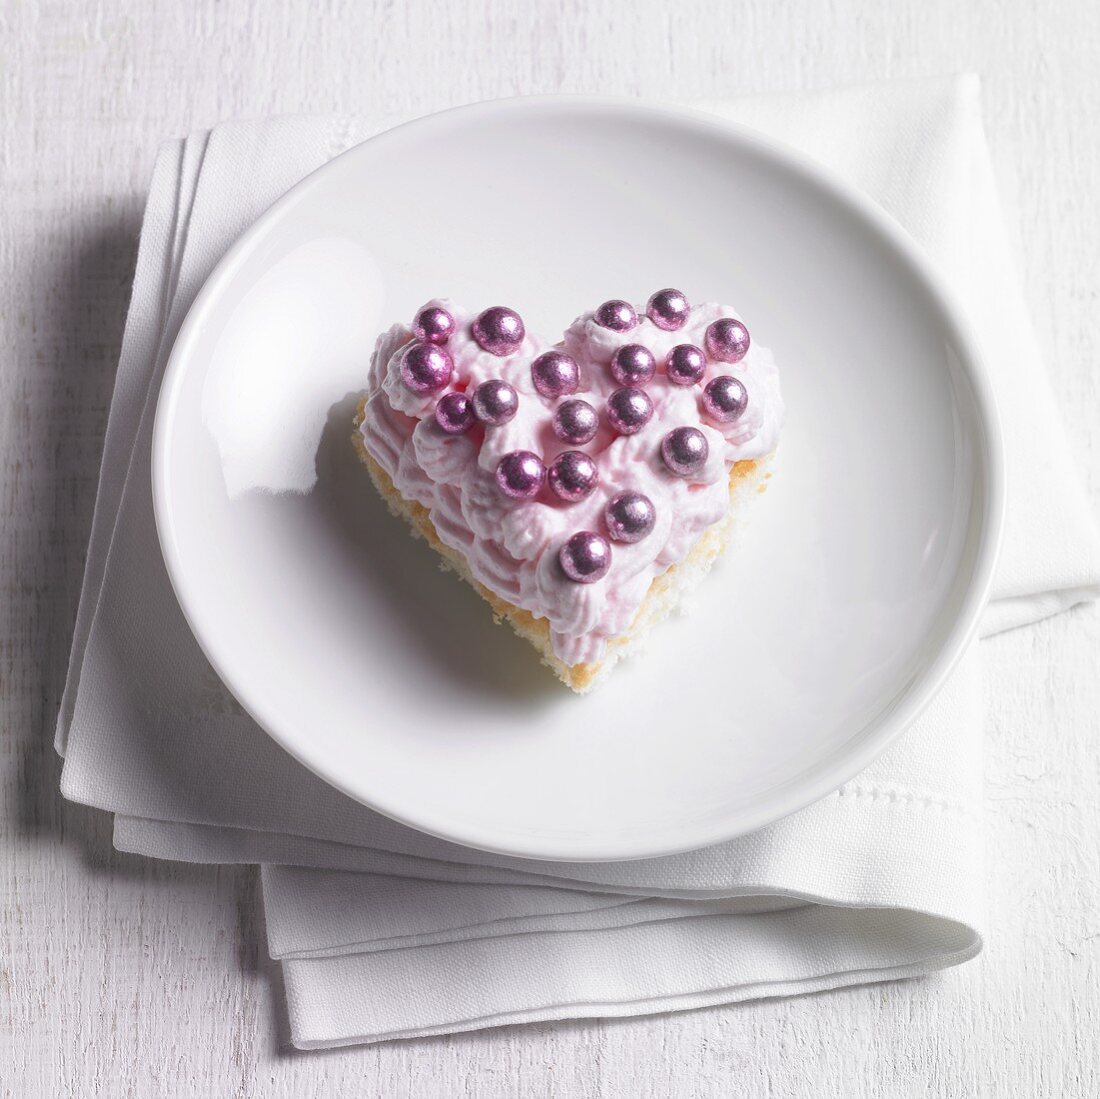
(121, 976)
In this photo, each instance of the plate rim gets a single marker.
(782, 801)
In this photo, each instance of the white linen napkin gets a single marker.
(384, 932)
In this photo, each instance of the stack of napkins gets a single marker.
(383, 932)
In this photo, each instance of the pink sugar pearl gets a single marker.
(629, 410)
(685, 364)
(433, 324)
(454, 412)
(630, 516)
(633, 364)
(727, 340)
(668, 309)
(519, 475)
(684, 451)
(425, 368)
(725, 398)
(618, 315)
(572, 476)
(495, 402)
(575, 422)
(586, 557)
(499, 330)
(555, 374)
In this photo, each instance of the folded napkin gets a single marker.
(383, 932)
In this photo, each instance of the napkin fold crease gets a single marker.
(383, 932)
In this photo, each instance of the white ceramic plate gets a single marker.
(863, 570)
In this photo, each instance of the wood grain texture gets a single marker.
(125, 977)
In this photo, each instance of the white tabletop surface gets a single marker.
(128, 977)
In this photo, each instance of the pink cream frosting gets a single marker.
(512, 546)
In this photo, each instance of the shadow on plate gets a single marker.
(448, 623)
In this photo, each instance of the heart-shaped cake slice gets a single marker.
(581, 486)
